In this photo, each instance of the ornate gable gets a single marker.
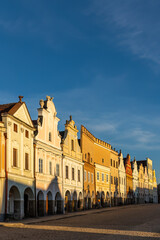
(47, 124)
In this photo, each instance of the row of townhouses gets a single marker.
(44, 171)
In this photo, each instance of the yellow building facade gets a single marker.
(114, 163)
(2, 171)
(141, 182)
(102, 171)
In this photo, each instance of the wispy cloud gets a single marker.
(135, 23)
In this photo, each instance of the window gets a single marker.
(57, 169)
(67, 172)
(85, 176)
(26, 161)
(72, 145)
(41, 165)
(91, 159)
(97, 175)
(50, 168)
(111, 162)
(15, 157)
(114, 163)
(92, 177)
(85, 155)
(111, 180)
(89, 156)
(15, 127)
(114, 180)
(26, 134)
(88, 176)
(103, 177)
(50, 136)
(79, 178)
(72, 173)
(106, 177)
(102, 160)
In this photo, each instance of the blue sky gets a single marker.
(99, 59)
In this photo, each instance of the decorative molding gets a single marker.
(9, 123)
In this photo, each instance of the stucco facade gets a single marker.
(87, 147)
(155, 194)
(129, 179)
(141, 182)
(2, 171)
(114, 162)
(146, 185)
(19, 160)
(122, 180)
(72, 167)
(102, 172)
(135, 180)
(48, 160)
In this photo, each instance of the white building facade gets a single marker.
(48, 160)
(20, 182)
(122, 179)
(135, 180)
(72, 168)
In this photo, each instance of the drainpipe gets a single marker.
(110, 187)
(6, 175)
(63, 200)
(34, 161)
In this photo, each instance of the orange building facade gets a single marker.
(87, 147)
(129, 179)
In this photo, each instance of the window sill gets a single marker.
(15, 167)
(27, 170)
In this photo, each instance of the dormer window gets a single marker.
(50, 137)
(72, 145)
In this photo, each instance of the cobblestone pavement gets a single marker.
(129, 222)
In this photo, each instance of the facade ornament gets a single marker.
(9, 123)
(41, 103)
(22, 130)
(20, 99)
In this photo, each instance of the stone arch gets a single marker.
(68, 205)
(58, 203)
(49, 203)
(14, 202)
(40, 203)
(102, 198)
(80, 201)
(98, 199)
(29, 203)
(74, 201)
(89, 200)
